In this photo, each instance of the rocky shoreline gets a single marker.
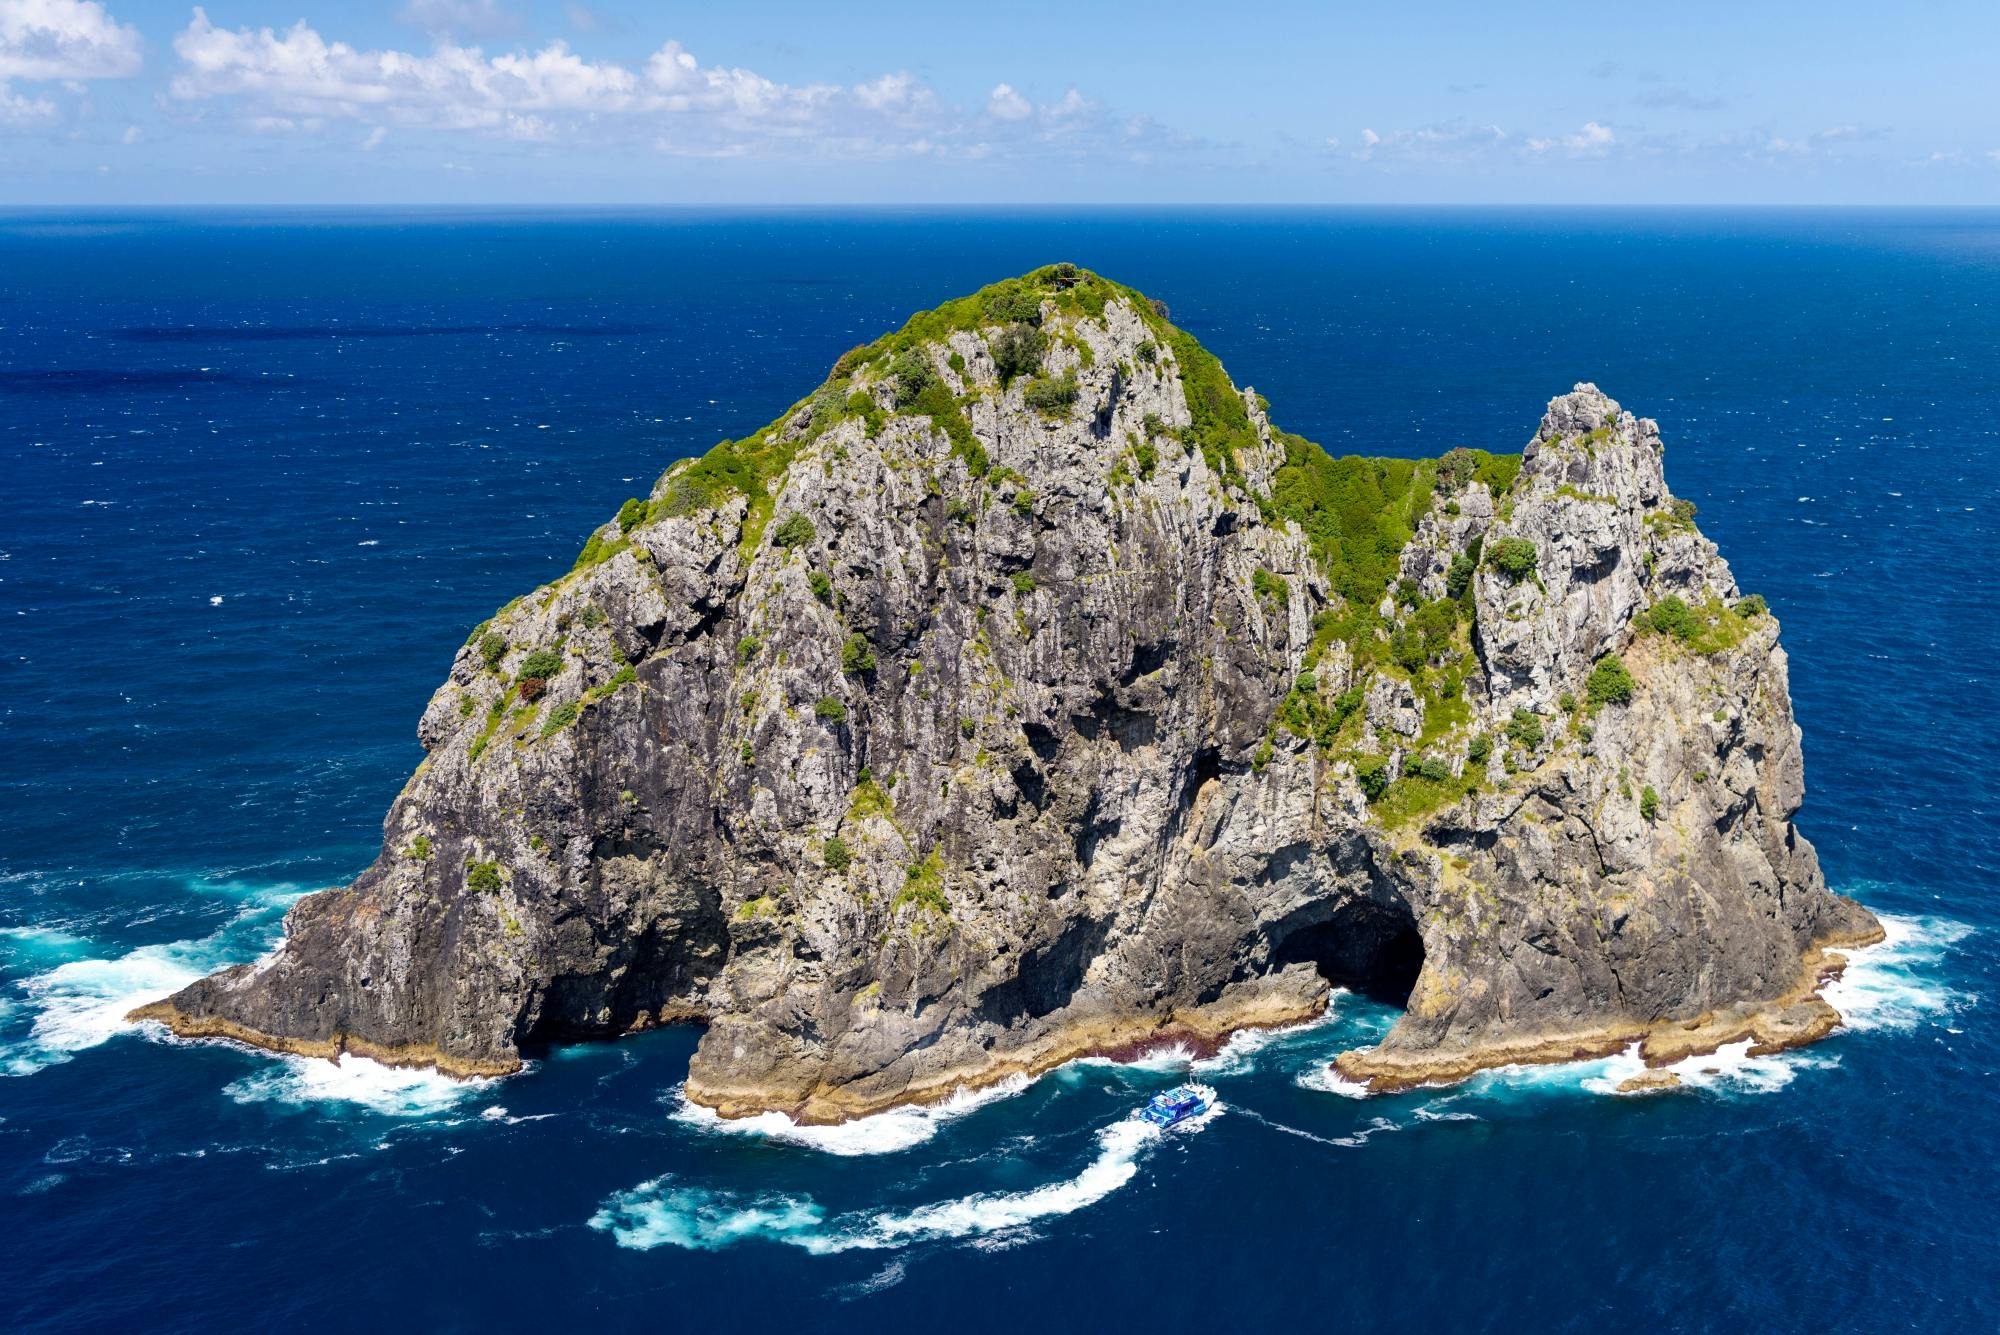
(1023, 693)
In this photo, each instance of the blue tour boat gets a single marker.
(1171, 1107)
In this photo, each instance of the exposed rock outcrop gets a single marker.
(1023, 693)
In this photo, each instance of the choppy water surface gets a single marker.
(264, 471)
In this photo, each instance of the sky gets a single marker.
(546, 102)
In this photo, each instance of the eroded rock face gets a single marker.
(941, 761)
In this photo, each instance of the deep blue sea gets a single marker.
(263, 471)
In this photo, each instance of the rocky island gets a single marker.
(1024, 693)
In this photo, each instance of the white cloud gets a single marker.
(1593, 140)
(1004, 104)
(374, 139)
(582, 17)
(296, 78)
(64, 39)
(1444, 141)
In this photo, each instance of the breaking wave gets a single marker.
(881, 1133)
(666, 1212)
(81, 1003)
(390, 1090)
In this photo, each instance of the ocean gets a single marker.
(263, 471)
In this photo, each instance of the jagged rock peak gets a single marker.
(1022, 692)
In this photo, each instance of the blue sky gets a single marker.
(1008, 101)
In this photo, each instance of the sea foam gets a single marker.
(667, 1212)
(881, 1133)
(390, 1090)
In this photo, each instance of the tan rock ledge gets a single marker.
(1794, 1018)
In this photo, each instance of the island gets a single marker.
(1022, 693)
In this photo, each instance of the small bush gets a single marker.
(543, 663)
(966, 727)
(419, 849)
(830, 709)
(1513, 557)
(1752, 605)
(835, 855)
(531, 689)
(1024, 584)
(1372, 772)
(821, 585)
(591, 617)
(746, 649)
(1018, 350)
(857, 656)
(796, 531)
(1268, 585)
(914, 374)
(483, 877)
(1427, 767)
(1459, 578)
(1672, 616)
(492, 648)
(1610, 682)
(1048, 395)
(560, 717)
(1478, 749)
(1649, 803)
(631, 515)
(1147, 456)
(1526, 728)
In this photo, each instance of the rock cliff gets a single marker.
(1023, 693)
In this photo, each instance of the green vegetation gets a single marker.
(1649, 803)
(1525, 727)
(869, 798)
(1707, 629)
(746, 649)
(1372, 773)
(1049, 395)
(492, 648)
(1018, 350)
(1478, 749)
(923, 886)
(597, 550)
(1752, 605)
(483, 877)
(542, 664)
(591, 617)
(1267, 585)
(1024, 584)
(419, 849)
(1672, 616)
(1513, 557)
(857, 656)
(631, 515)
(560, 717)
(821, 585)
(795, 531)
(830, 709)
(1461, 465)
(835, 855)
(913, 374)
(1610, 683)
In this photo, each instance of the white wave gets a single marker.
(1894, 984)
(82, 1003)
(1322, 1076)
(1164, 1060)
(394, 1091)
(881, 1133)
(660, 1213)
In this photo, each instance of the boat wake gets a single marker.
(669, 1212)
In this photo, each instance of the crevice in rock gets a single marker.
(1368, 946)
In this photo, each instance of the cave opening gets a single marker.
(1370, 948)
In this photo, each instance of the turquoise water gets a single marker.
(264, 471)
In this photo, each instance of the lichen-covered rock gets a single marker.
(1023, 693)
